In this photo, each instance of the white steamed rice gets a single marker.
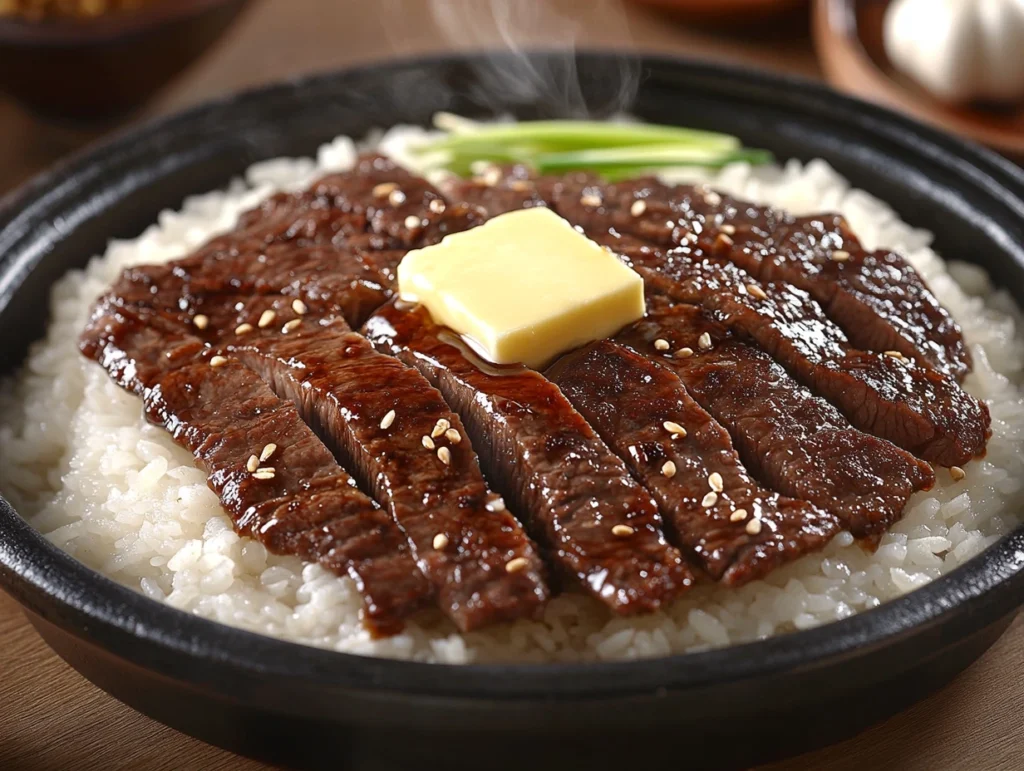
(82, 464)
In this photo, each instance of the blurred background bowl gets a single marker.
(104, 67)
(734, 12)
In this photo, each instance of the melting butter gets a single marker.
(523, 287)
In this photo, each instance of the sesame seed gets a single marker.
(669, 469)
(754, 526)
(266, 319)
(291, 326)
(590, 200)
(519, 185)
(444, 455)
(218, 361)
(396, 197)
(252, 464)
(715, 482)
(757, 291)
(738, 516)
(684, 353)
(412, 221)
(491, 177)
(453, 436)
(265, 473)
(243, 329)
(268, 450)
(674, 428)
(704, 342)
(517, 564)
(728, 229)
(723, 238)
(437, 205)
(895, 355)
(498, 504)
(427, 442)
(440, 541)
(440, 427)
(638, 208)
(387, 420)
(840, 256)
(622, 530)
(957, 473)
(712, 198)
(709, 500)
(201, 321)
(299, 307)
(384, 188)
(661, 345)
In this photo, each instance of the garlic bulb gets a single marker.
(959, 50)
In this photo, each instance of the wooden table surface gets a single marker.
(51, 718)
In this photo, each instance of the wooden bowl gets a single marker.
(101, 68)
(849, 41)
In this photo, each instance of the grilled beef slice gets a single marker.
(736, 530)
(798, 443)
(541, 454)
(226, 415)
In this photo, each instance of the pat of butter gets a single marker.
(523, 287)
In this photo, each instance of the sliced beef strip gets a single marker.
(541, 454)
(797, 443)
(224, 415)
(417, 461)
(736, 530)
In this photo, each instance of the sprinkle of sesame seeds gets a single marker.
(724, 239)
(252, 464)
(444, 455)
(384, 188)
(427, 442)
(440, 427)
(712, 198)
(299, 307)
(201, 321)
(268, 450)
(590, 200)
(396, 197)
(957, 473)
(715, 482)
(498, 504)
(437, 205)
(266, 319)
(895, 355)
(669, 469)
(291, 326)
(757, 291)
(622, 530)
(754, 526)
(684, 353)
(265, 473)
(661, 345)
(674, 428)
(243, 329)
(517, 564)
(453, 436)
(638, 208)
(709, 500)
(738, 516)
(387, 420)
(440, 541)
(704, 342)
(218, 361)
(728, 229)
(412, 221)
(840, 255)
(692, 237)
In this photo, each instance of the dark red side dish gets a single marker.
(778, 390)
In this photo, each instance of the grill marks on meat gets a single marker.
(543, 455)
(736, 530)
(224, 415)
(797, 443)
(346, 390)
